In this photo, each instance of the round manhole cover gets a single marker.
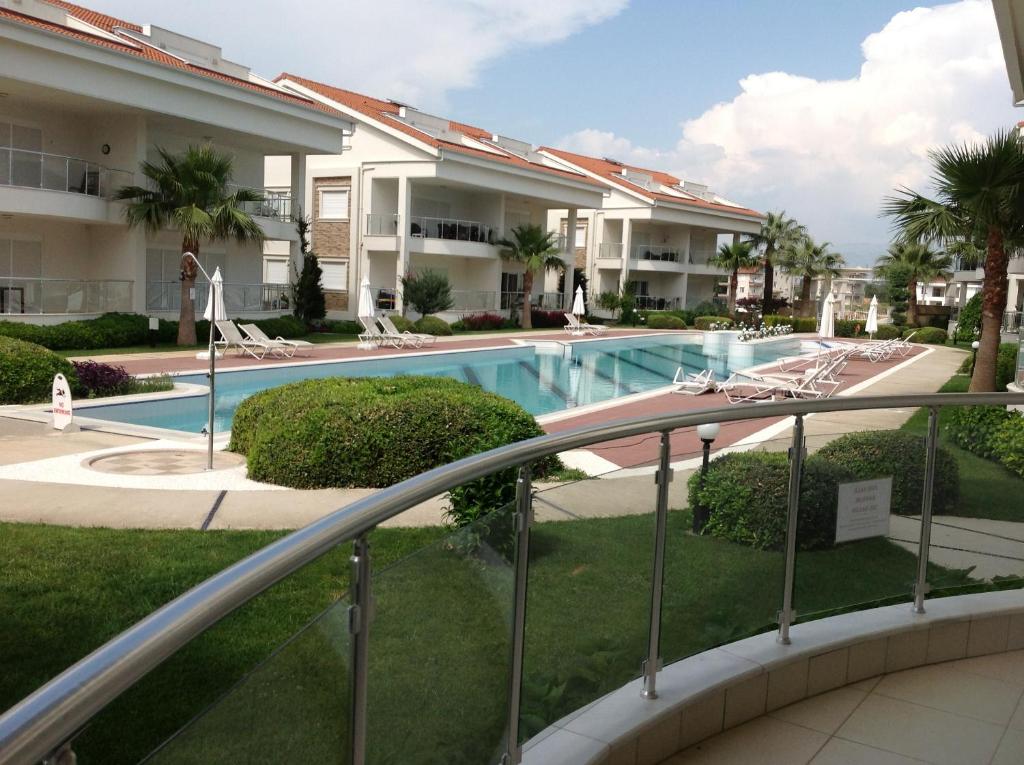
(162, 462)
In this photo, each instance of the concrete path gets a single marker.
(992, 548)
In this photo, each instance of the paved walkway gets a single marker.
(966, 712)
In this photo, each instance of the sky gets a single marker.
(816, 107)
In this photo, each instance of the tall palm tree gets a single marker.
(777, 232)
(808, 260)
(979, 198)
(189, 192)
(535, 248)
(731, 258)
(919, 263)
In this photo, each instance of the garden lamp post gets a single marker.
(707, 433)
(974, 354)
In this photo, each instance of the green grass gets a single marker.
(987, 489)
(439, 638)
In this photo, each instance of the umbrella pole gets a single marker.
(213, 370)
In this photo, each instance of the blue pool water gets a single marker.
(539, 379)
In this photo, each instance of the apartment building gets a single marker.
(416, 191)
(84, 99)
(652, 232)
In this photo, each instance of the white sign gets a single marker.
(864, 508)
(61, 405)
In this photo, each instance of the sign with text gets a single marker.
(864, 508)
(61, 404)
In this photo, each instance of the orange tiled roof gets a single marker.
(386, 112)
(131, 47)
(612, 171)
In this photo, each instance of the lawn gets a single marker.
(439, 640)
(987, 489)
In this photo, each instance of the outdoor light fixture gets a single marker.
(707, 433)
(974, 356)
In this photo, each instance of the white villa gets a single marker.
(84, 99)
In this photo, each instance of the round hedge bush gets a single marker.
(27, 370)
(432, 325)
(888, 332)
(879, 453)
(665, 321)
(926, 335)
(747, 495)
(402, 324)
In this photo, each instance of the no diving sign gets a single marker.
(61, 404)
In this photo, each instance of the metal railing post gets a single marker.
(523, 519)
(360, 614)
(931, 445)
(796, 466)
(662, 478)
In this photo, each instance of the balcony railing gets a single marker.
(656, 252)
(515, 601)
(64, 296)
(56, 172)
(381, 224)
(610, 250)
(454, 229)
(238, 298)
(654, 303)
(1011, 321)
(275, 205)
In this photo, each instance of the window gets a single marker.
(581, 235)
(511, 289)
(275, 271)
(333, 204)
(639, 289)
(335, 278)
(165, 265)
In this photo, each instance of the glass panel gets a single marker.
(294, 707)
(5, 166)
(26, 169)
(55, 173)
(439, 649)
(81, 178)
(55, 295)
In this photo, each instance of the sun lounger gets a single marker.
(577, 327)
(694, 384)
(232, 338)
(749, 386)
(372, 334)
(415, 339)
(253, 332)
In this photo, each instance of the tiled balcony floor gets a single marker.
(966, 712)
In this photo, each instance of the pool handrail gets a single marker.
(50, 716)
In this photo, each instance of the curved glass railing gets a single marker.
(476, 639)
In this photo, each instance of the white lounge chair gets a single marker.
(232, 338)
(577, 327)
(371, 334)
(749, 386)
(693, 384)
(415, 339)
(253, 332)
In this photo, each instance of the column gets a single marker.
(627, 245)
(297, 186)
(569, 258)
(137, 238)
(404, 213)
(736, 238)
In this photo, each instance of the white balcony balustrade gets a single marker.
(56, 172)
(658, 253)
(610, 250)
(382, 224)
(453, 229)
(166, 296)
(64, 296)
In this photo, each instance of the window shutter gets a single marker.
(334, 205)
(277, 271)
(335, 275)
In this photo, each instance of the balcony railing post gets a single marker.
(662, 479)
(523, 520)
(360, 614)
(796, 465)
(931, 445)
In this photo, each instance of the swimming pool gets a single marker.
(542, 379)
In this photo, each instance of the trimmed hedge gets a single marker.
(973, 427)
(482, 321)
(432, 325)
(705, 322)
(665, 321)
(798, 323)
(1007, 443)
(927, 335)
(877, 453)
(888, 332)
(402, 324)
(27, 370)
(541, 319)
(747, 495)
(375, 432)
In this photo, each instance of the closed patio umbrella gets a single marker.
(578, 306)
(215, 311)
(367, 309)
(872, 323)
(827, 325)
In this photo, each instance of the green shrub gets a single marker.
(704, 322)
(798, 323)
(1007, 443)
(343, 327)
(664, 321)
(27, 370)
(973, 427)
(432, 325)
(849, 328)
(375, 432)
(888, 332)
(927, 335)
(968, 323)
(402, 324)
(878, 453)
(1006, 365)
(747, 495)
(427, 291)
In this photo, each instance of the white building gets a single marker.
(84, 99)
(652, 231)
(415, 191)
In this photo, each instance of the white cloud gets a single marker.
(828, 151)
(411, 50)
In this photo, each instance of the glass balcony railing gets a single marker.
(654, 303)
(657, 252)
(64, 296)
(166, 296)
(610, 250)
(454, 229)
(55, 172)
(275, 205)
(382, 224)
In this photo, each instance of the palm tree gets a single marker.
(731, 258)
(918, 263)
(808, 260)
(777, 232)
(189, 192)
(979, 198)
(535, 248)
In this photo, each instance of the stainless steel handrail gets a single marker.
(47, 718)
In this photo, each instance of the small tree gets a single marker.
(308, 291)
(427, 291)
(609, 301)
(535, 248)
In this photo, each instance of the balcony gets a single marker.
(453, 236)
(381, 224)
(238, 298)
(275, 205)
(658, 254)
(654, 303)
(63, 296)
(610, 250)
